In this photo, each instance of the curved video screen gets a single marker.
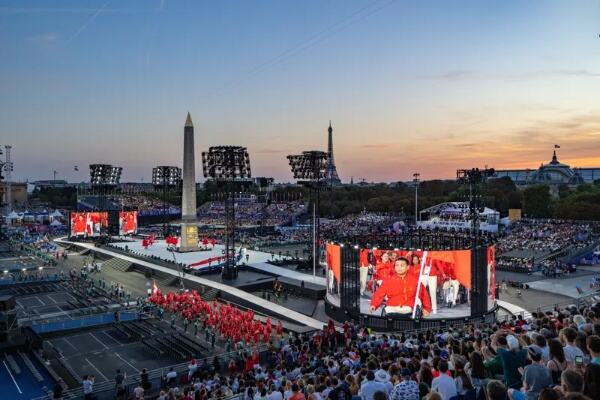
(88, 224)
(414, 284)
(128, 222)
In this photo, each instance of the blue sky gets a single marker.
(428, 86)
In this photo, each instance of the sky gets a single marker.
(410, 86)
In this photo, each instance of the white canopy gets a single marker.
(13, 215)
(56, 214)
(56, 223)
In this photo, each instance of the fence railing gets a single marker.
(107, 389)
(87, 321)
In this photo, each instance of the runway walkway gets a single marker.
(288, 273)
(275, 308)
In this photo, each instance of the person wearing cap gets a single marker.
(536, 376)
(406, 389)
(383, 377)
(368, 388)
(512, 359)
(401, 292)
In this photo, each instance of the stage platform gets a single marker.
(240, 295)
(257, 259)
(159, 249)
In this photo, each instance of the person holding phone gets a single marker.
(568, 337)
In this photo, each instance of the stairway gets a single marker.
(210, 294)
(117, 264)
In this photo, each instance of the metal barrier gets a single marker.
(92, 320)
(106, 390)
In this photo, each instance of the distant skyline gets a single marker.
(427, 86)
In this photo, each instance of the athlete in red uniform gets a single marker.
(401, 290)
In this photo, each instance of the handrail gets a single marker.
(152, 375)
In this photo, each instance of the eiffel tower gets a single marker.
(331, 174)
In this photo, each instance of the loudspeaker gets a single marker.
(113, 223)
(7, 302)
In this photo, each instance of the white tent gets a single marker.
(56, 223)
(56, 214)
(13, 215)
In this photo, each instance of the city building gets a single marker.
(553, 173)
(18, 195)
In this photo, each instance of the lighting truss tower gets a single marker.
(310, 169)
(472, 179)
(166, 178)
(416, 181)
(229, 166)
(103, 178)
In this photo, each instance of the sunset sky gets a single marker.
(427, 86)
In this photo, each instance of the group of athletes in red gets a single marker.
(397, 275)
(229, 321)
(88, 224)
(127, 222)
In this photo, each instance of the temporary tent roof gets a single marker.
(14, 215)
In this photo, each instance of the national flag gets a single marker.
(556, 146)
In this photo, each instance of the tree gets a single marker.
(580, 205)
(537, 201)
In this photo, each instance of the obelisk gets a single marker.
(189, 226)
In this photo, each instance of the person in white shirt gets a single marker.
(571, 350)
(383, 377)
(443, 384)
(171, 377)
(138, 392)
(192, 368)
(368, 388)
(274, 394)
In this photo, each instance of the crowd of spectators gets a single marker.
(515, 264)
(359, 224)
(249, 212)
(547, 236)
(551, 356)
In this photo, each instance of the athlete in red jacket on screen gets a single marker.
(400, 290)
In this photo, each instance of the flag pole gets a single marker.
(414, 312)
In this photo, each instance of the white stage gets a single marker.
(257, 259)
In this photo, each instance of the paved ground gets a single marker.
(103, 350)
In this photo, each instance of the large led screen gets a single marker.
(88, 224)
(416, 284)
(128, 222)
